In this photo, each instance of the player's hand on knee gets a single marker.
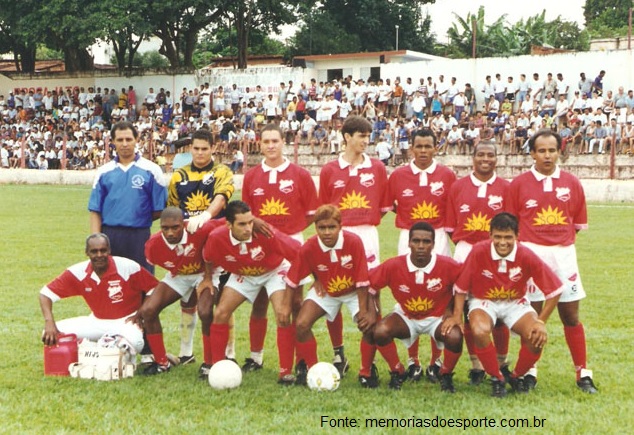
(205, 284)
(136, 319)
(538, 335)
(284, 316)
(449, 323)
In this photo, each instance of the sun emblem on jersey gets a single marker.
(339, 284)
(189, 269)
(252, 271)
(419, 305)
(197, 201)
(353, 200)
(501, 294)
(273, 207)
(477, 222)
(550, 216)
(425, 211)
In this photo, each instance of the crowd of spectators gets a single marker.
(509, 112)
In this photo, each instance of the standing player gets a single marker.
(181, 254)
(337, 260)
(111, 286)
(421, 281)
(202, 190)
(255, 262)
(419, 192)
(357, 185)
(473, 201)
(551, 207)
(283, 195)
(495, 276)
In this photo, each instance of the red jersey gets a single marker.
(281, 196)
(549, 211)
(421, 293)
(420, 195)
(486, 275)
(341, 269)
(253, 257)
(117, 294)
(359, 192)
(471, 205)
(185, 257)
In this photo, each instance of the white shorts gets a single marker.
(507, 311)
(427, 326)
(461, 251)
(184, 285)
(300, 238)
(92, 328)
(370, 237)
(250, 286)
(403, 145)
(331, 305)
(563, 261)
(441, 242)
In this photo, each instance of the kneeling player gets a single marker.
(337, 260)
(495, 276)
(421, 282)
(255, 262)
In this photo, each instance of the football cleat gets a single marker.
(371, 381)
(530, 382)
(203, 371)
(156, 369)
(586, 384)
(147, 358)
(301, 373)
(186, 359)
(506, 371)
(250, 365)
(432, 373)
(446, 383)
(286, 380)
(341, 364)
(414, 372)
(396, 380)
(498, 388)
(476, 376)
(518, 385)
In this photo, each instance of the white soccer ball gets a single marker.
(225, 374)
(323, 376)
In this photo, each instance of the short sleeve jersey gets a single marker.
(281, 196)
(420, 292)
(341, 270)
(472, 204)
(117, 294)
(128, 195)
(420, 196)
(359, 192)
(484, 277)
(254, 257)
(185, 257)
(548, 217)
(193, 189)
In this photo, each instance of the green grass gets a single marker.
(43, 230)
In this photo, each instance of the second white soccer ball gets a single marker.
(225, 374)
(323, 376)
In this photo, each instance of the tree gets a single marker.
(607, 18)
(16, 36)
(461, 35)
(125, 28)
(321, 35)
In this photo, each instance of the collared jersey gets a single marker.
(127, 196)
(261, 254)
(484, 277)
(359, 192)
(117, 294)
(340, 274)
(185, 257)
(284, 199)
(420, 293)
(548, 218)
(420, 203)
(469, 215)
(193, 189)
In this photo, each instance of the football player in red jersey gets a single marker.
(421, 281)
(551, 207)
(495, 276)
(472, 203)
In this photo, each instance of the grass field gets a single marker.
(43, 231)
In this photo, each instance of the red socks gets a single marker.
(501, 339)
(207, 348)
(390, 355)
(435, 352)
(257, 333)
(286, 348)
(525, 361)
(367, 358)
(219, 337)
(576, 339)
(449, 361)
(157, 346)
(488, 358)
(335, 330)
(308, 352)
(412, 352)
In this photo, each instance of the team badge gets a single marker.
(257, 253)
(208, 179)
(434, 284)
(495, 202)
(346, 261)
(286, 186)
(115, 292)
(563, 193)
(437, 188)
(366, 180)
(137, 182)
(515, 274)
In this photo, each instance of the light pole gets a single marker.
(396, 27)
